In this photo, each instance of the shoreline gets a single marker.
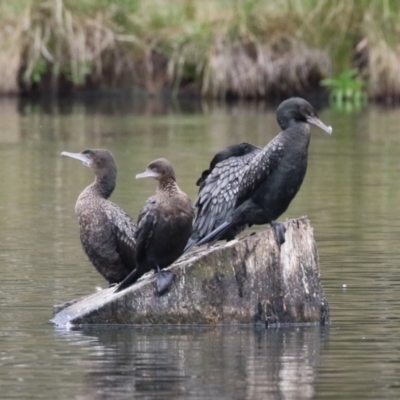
(220, 49)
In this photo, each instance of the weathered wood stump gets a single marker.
(245, 281)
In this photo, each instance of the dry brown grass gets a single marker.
(246, 48)
(11, 25)
(59, 43)
(10, 60)
(250, 69)
(382, 54)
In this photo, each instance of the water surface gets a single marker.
(351, 195)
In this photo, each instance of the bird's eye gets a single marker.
(312, 114)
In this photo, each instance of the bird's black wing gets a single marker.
(146, 221)
(236, 150)
(124, 232)
(259, 169)
(218, 195)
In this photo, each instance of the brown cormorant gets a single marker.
(107, 232)
(258, 187)
(164, 227)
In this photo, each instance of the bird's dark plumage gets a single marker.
(236, 150)
(164, 226)
(217, 194)
(107, 233)
(258, 187)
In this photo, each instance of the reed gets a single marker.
(245, 48)
(62, 43)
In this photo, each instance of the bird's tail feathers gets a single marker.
(128, 281)
(191, 243)
(217, 233)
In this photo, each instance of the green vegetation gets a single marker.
(247, 48)
(346, 90)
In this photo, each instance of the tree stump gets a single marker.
(245, 281)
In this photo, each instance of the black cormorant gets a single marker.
(258, 187)
(236, 150)
(216, 194)
(107, 232)
(164, 227)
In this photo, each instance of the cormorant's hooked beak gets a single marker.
(77, 156)
(147, 174)
(317, 122)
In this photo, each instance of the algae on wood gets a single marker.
(249, 280)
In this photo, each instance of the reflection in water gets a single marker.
(180, 363)
(351, 194)
(10, 118)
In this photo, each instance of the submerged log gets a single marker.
(245, 281)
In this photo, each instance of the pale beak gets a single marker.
(147, 174)
(77, 156)
(317, 122)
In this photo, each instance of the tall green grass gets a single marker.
(247, 48)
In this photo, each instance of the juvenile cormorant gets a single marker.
(107, 232)
(164, 227)
(257, 188)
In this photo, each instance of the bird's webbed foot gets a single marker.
(279, 230)
(164, 280)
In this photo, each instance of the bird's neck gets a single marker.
(167, 185)
(103, 185)
(300, 129)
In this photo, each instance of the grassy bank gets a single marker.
(246, 48)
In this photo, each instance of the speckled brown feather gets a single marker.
(164, 227)
(107, 233)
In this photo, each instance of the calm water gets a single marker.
(351, 194)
